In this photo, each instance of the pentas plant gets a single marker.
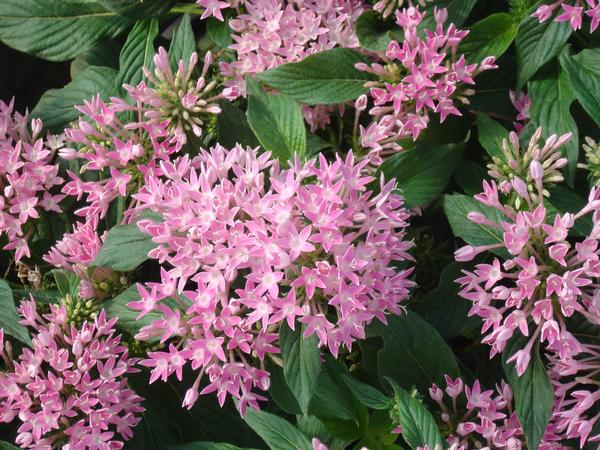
(570, 11)
(423, 74)
(27, 176)
(252, 246)
(70, 389)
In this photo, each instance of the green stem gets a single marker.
(186, 8)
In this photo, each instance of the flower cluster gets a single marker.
(273, 32)
(252, 245)
(69, 389)
(547, 277)
(422, 74)
(179, 100)
(592, 160)
(487, 419)
(27, 176)
(571, 11)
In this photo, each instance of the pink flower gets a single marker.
(570, 13)
(72, 384)
(213, 8)
(248, 245)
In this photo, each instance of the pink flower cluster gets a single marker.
(487, 421)
(27, 176)
(251, 245)
(121, 153)
(522, 103)
(179, 100)
(571, 11)
(273, 32)
(548, 275)
(70, 388)
(419, 75)
(575, 383)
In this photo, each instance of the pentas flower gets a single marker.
(70, 389)
(472, 417)
(27, 175)
(273, 32)
(213, 8)
(576, 386)
(421, 75)
(522, 103)
(75, 253)
(387, 7)
(180, 100)
(572, 11)
(518, 163)
(247, 246)
(119, 153)
(548, 276)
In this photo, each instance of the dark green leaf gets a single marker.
(458, 206)
(422, 172)
(280, 392)
(373, 32)
(183, 43)
(66, 282)
(469, 175)
(233, 128)
(220, 32)
(206, 446)
(9, 319)
(489, 37)
(278, 433)
(56, 107)
(537, 43)
(56, 30)
(7, 446)
(418, 425)
(138, 9)
(301, 363)
(491, 134)
(105, 54)
(563, 200)
(413, 353)
(532, 391)
(584, 72)
(277, 122)
(551, 97)
(326, 77)
(137, 52)
(444, 308)
(125, 248)
(367, 395)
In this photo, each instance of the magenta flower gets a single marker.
(250, 245)
(69, 389)
(27, 175)
(571, 11)
(416, 77)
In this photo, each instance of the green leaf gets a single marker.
(367, 395)
(56, 107)
(444, 308)
(220, 32)
(491, 134)
(458, 11)
(469, 176)
(206, 446)
(489, 37)
(551, 97)
(422, 172)
(537, 43)
(584, 72)
(277, 122)
(278, 433)
(532, 391)
(301, 363)
(280, 392)
(66, 282)
(56, 30)
(137, 52)
(125, 248)
(419, 428)
(9, 319)
(327, 77)
(183, 43)
(413, 353)
(138, 9)
(457, 207)
(105, 54)
(373, 32)
(7, 446)
(233, 128)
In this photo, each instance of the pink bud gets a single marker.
(466, 253)
(477, 217)
(536, 170)
(361, 103)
